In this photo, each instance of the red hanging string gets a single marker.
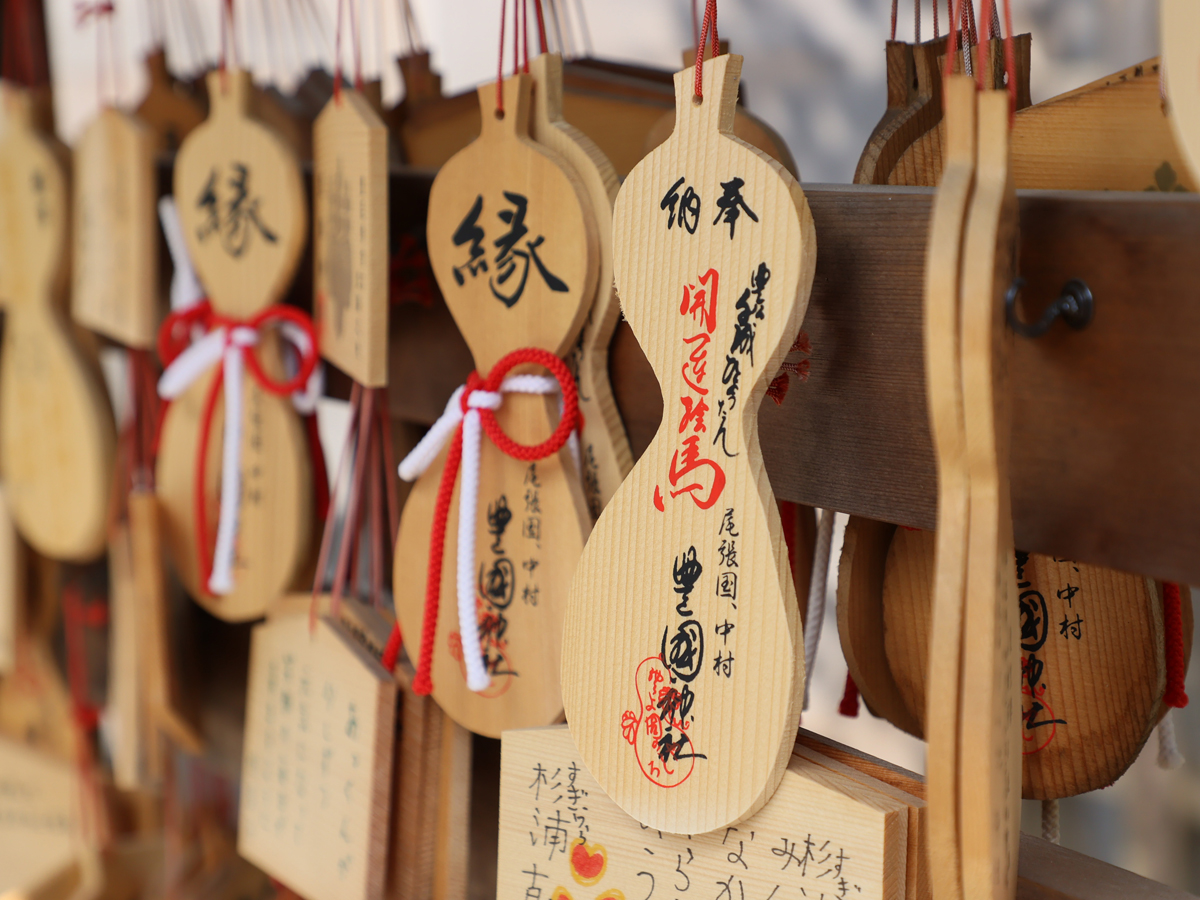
(24, 51)
(895, 14)
(936, 28)
(500, 67)
(710, 22)
(524, 36)
(1010, 67)
(541, 24)
(102, 12)
(1175, 695)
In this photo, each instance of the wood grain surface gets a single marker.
(653, 675)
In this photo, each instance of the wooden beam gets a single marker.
(1101, 465)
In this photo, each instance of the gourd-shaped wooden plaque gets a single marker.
(943, 372)
(607, 458)
(514, 250)
(242, 208)
(350, 240)
(989, 734)
(57, 441)
(115, 289)
(1092, 661)
(683, 659)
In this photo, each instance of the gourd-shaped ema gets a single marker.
(57, 441)
(683, 662)
(513, 245)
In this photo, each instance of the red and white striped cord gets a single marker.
(467, 414)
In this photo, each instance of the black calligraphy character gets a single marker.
(744, 329)
(1031, 717)
(531, 476)
(533, 892)
(469, 232)
(788, 854)
(530, 564)
(207, 201)
(727, 890)
(727, 587)
(651, 877)
(1069, 629)
(688, 207)
(731, 204)
(499, 584)
(724, 666)
(728, 553)
(736, 858)
(507, 254)
(498, 517)
(533, 502)
(530, 594)
(685, 655)
(679, 864)
(1022, 559)
(668, 748)
(727, 525)
(685, 573)
(1033, 620)
(539, 779)
(1031, 671)
(723, 630)
(1068, 593)
(242, 214)
(675, 706)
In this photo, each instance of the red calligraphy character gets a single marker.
(693, 415)
(702, 298)
(692, 462)
(697, 361)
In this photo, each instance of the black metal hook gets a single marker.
(1076, 307)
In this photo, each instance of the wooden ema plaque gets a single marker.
(57, 441)
(823, 835)
(1092, 654)
(513, 246)
(115, 287)
(607, 457)
(350, 237)
(943, 267)
(42, 851)
(683, 659)
(317, 760)
(242, 208)
(12, 588)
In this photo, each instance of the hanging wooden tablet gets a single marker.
(989, 728)
(242, 208)
(35, 705)
(605, 451)
(1092, 660)
(350, 237)
(317, 760)
(57, 441)
(514, 249)
(115, 288)
(42, 849)
(683, 661)
(822, 833)
(127, 726)
(1178, 22)
(943, 266)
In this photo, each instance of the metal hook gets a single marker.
(1076, 307)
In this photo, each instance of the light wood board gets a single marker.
(943, 268)
(115, 271)
(57, 441)
(42, 851)
(822, 832)
(683, 659)
(607, 458)
(12, 588)
(243, 211)
(1179, 23)
(532, 516)
(989, 763)
(1091, 659)
(320, 717)
(350, 237)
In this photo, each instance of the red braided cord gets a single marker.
(710, 22)
(1175, 694)
(541, 20)
(571, 420)
(895, 12)
(955, 23)
(500, 66)
(849, 705)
